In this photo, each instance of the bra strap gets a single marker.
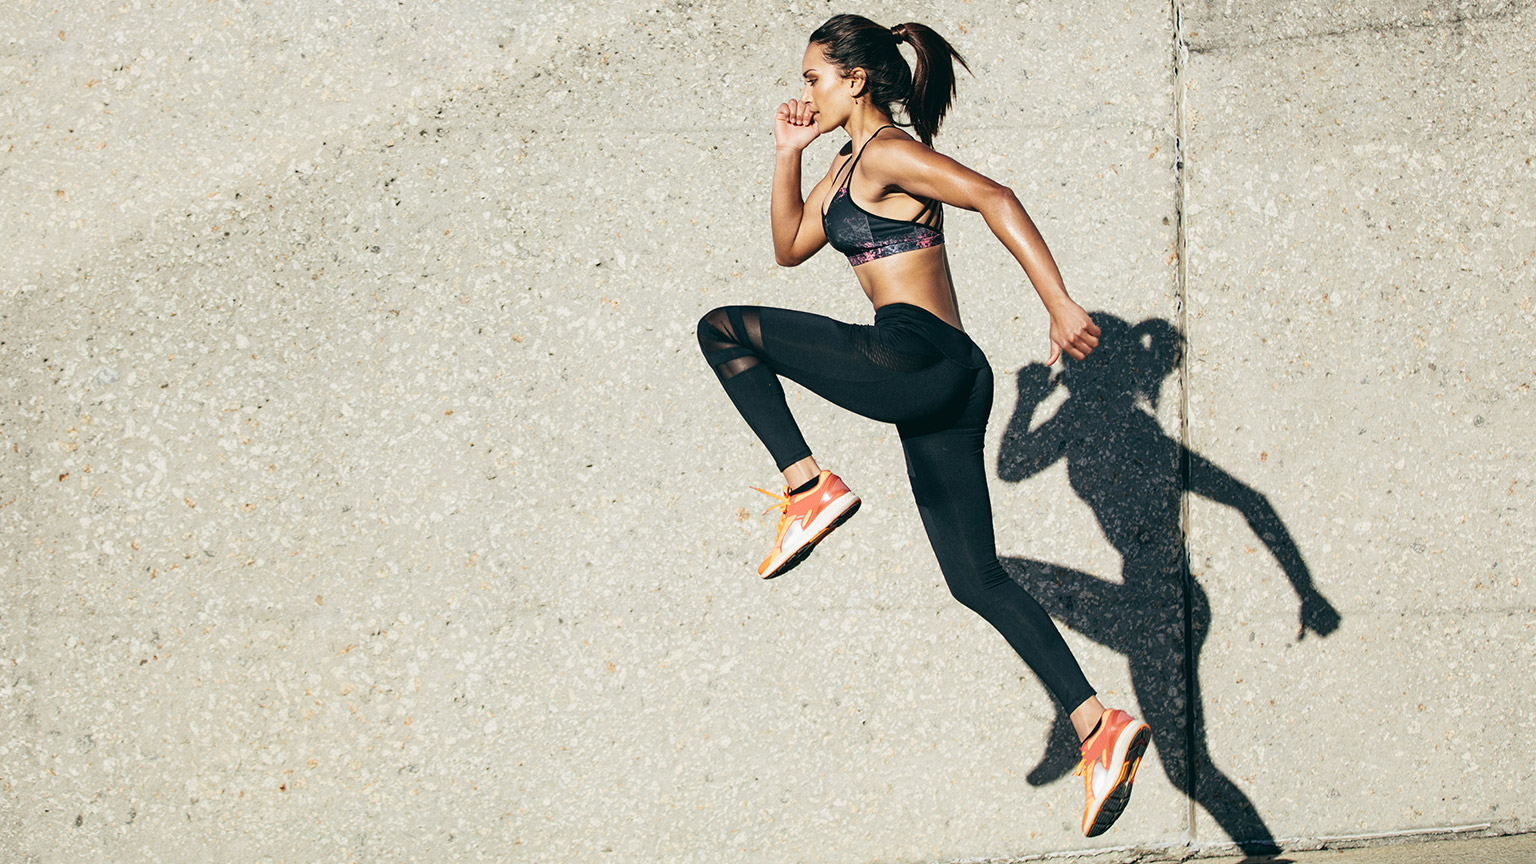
(930, 206)
(855, 160)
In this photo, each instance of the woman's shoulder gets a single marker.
(894, 137)
(894, 150)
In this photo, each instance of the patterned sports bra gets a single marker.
(864, 236)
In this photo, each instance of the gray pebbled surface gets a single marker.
(363, 496)
(1360, 248)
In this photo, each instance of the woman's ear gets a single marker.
(858, 82)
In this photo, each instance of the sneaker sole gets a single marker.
(1120, 794)
(804, 551)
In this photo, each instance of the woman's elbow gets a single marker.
(787, 258)
(995, 197)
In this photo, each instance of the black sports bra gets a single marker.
(864, 236)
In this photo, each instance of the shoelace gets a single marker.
(1083, 763)
(782, 505)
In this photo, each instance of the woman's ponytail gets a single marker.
(933, 81)
(855, 42)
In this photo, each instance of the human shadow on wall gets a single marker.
(1128, 471)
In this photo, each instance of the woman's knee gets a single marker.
(978, 582)
(715, 331)
(967, 589)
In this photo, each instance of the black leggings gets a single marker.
(911, 369)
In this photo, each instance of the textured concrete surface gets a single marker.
(1360, 248)
(363, 495)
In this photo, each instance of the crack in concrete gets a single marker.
(1181, 292)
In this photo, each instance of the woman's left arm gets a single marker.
(923, 173)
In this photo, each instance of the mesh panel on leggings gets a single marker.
(720, 335)
(886, 357)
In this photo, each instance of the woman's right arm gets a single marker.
(797, 231)
(922, 173)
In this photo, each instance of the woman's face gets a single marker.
(826, 92)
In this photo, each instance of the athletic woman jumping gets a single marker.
(880, 204)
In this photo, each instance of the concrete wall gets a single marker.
(363, 495)
(1361, 246)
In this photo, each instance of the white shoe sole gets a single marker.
(1129, 749)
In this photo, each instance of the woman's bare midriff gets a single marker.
(920, 277)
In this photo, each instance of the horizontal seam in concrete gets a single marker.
(1389, 28)
(1327, 841)
(1185, 852)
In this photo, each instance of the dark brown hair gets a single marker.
(855, 42)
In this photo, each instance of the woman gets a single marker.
(879, 204)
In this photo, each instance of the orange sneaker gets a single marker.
(806, 519)
(1110, 759)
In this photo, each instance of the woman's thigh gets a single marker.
(947, 470)
(849, 366)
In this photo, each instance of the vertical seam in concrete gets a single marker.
(1181, 292)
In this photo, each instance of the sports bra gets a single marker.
(864, 236)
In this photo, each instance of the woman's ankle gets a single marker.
(1085, 718)
(802, 472)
